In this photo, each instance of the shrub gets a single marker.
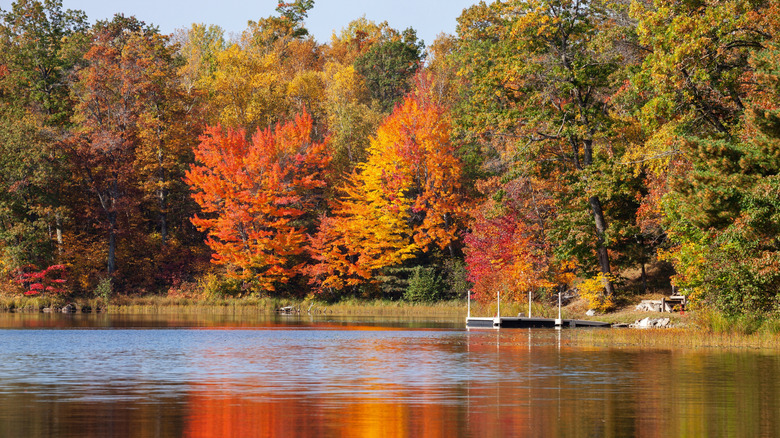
(592, 289)
(424, 285)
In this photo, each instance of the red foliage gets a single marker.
(50, 280)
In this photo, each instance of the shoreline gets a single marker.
(689, 330)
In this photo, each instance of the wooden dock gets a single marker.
(524, 322)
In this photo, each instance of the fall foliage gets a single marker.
(254, 196)
(548, 145)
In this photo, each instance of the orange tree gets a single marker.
(397, 205)
(255, 196)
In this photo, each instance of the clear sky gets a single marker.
(428, 17)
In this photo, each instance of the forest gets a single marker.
(548, 146)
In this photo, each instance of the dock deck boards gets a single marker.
(524, 322)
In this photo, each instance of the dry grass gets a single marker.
(674, 338)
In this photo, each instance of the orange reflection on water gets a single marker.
(216, 413)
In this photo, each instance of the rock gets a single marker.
(649, 306)
(652, 323)
(86, 309)
(69, 308)
(590, 312)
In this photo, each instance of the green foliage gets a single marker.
(455, 279)
(389, 66)
(105, 289)
(424, 285)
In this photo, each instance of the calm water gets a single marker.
(101, 376)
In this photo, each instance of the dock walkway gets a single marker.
(524, 322)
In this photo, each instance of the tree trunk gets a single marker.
(112, 242)
(58, 226)
(163, 215)
(601, 249)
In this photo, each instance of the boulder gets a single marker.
(69, 308)
(652, 323)
(649, 306)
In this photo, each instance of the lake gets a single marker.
(171, 376)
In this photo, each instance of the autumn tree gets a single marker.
(40, 44)
(357, 38)
(199, 46)
(255, 197)
(398, 205)
(132, 131)
(351, 119)
(540, 80)
(506, 249)
(707, 82)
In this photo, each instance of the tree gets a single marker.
(40, 44)
(506, 250)
(255, 196)
(389, 66)
(401, 202)
(199, 46)
(350, 118)
(540, 79)
(110, 91)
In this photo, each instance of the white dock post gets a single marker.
(498, 304)
(468, 314)
(559, 321)
(529, 304)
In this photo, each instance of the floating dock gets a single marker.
(524, 322)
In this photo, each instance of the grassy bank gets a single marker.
(248, 305)
(675, 338)
(697, 329)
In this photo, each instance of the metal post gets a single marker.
(529, 303)
(469, 304)
(559, 321)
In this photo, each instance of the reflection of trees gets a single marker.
(502, 384)
(267, 411)
(28, 411)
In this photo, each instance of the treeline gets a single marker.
(549, 145)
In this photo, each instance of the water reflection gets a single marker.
(313, 378)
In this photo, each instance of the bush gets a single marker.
(424, 286)
(104, 289)
(592, 289)
(214, 286)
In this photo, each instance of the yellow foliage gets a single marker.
(246, 90)
(593, 290)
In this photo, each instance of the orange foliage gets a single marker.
(400, 202)
(254, 195)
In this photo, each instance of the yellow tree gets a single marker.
(351, 120)
(246, 90)
(398, 204)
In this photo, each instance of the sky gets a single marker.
(428, 17)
